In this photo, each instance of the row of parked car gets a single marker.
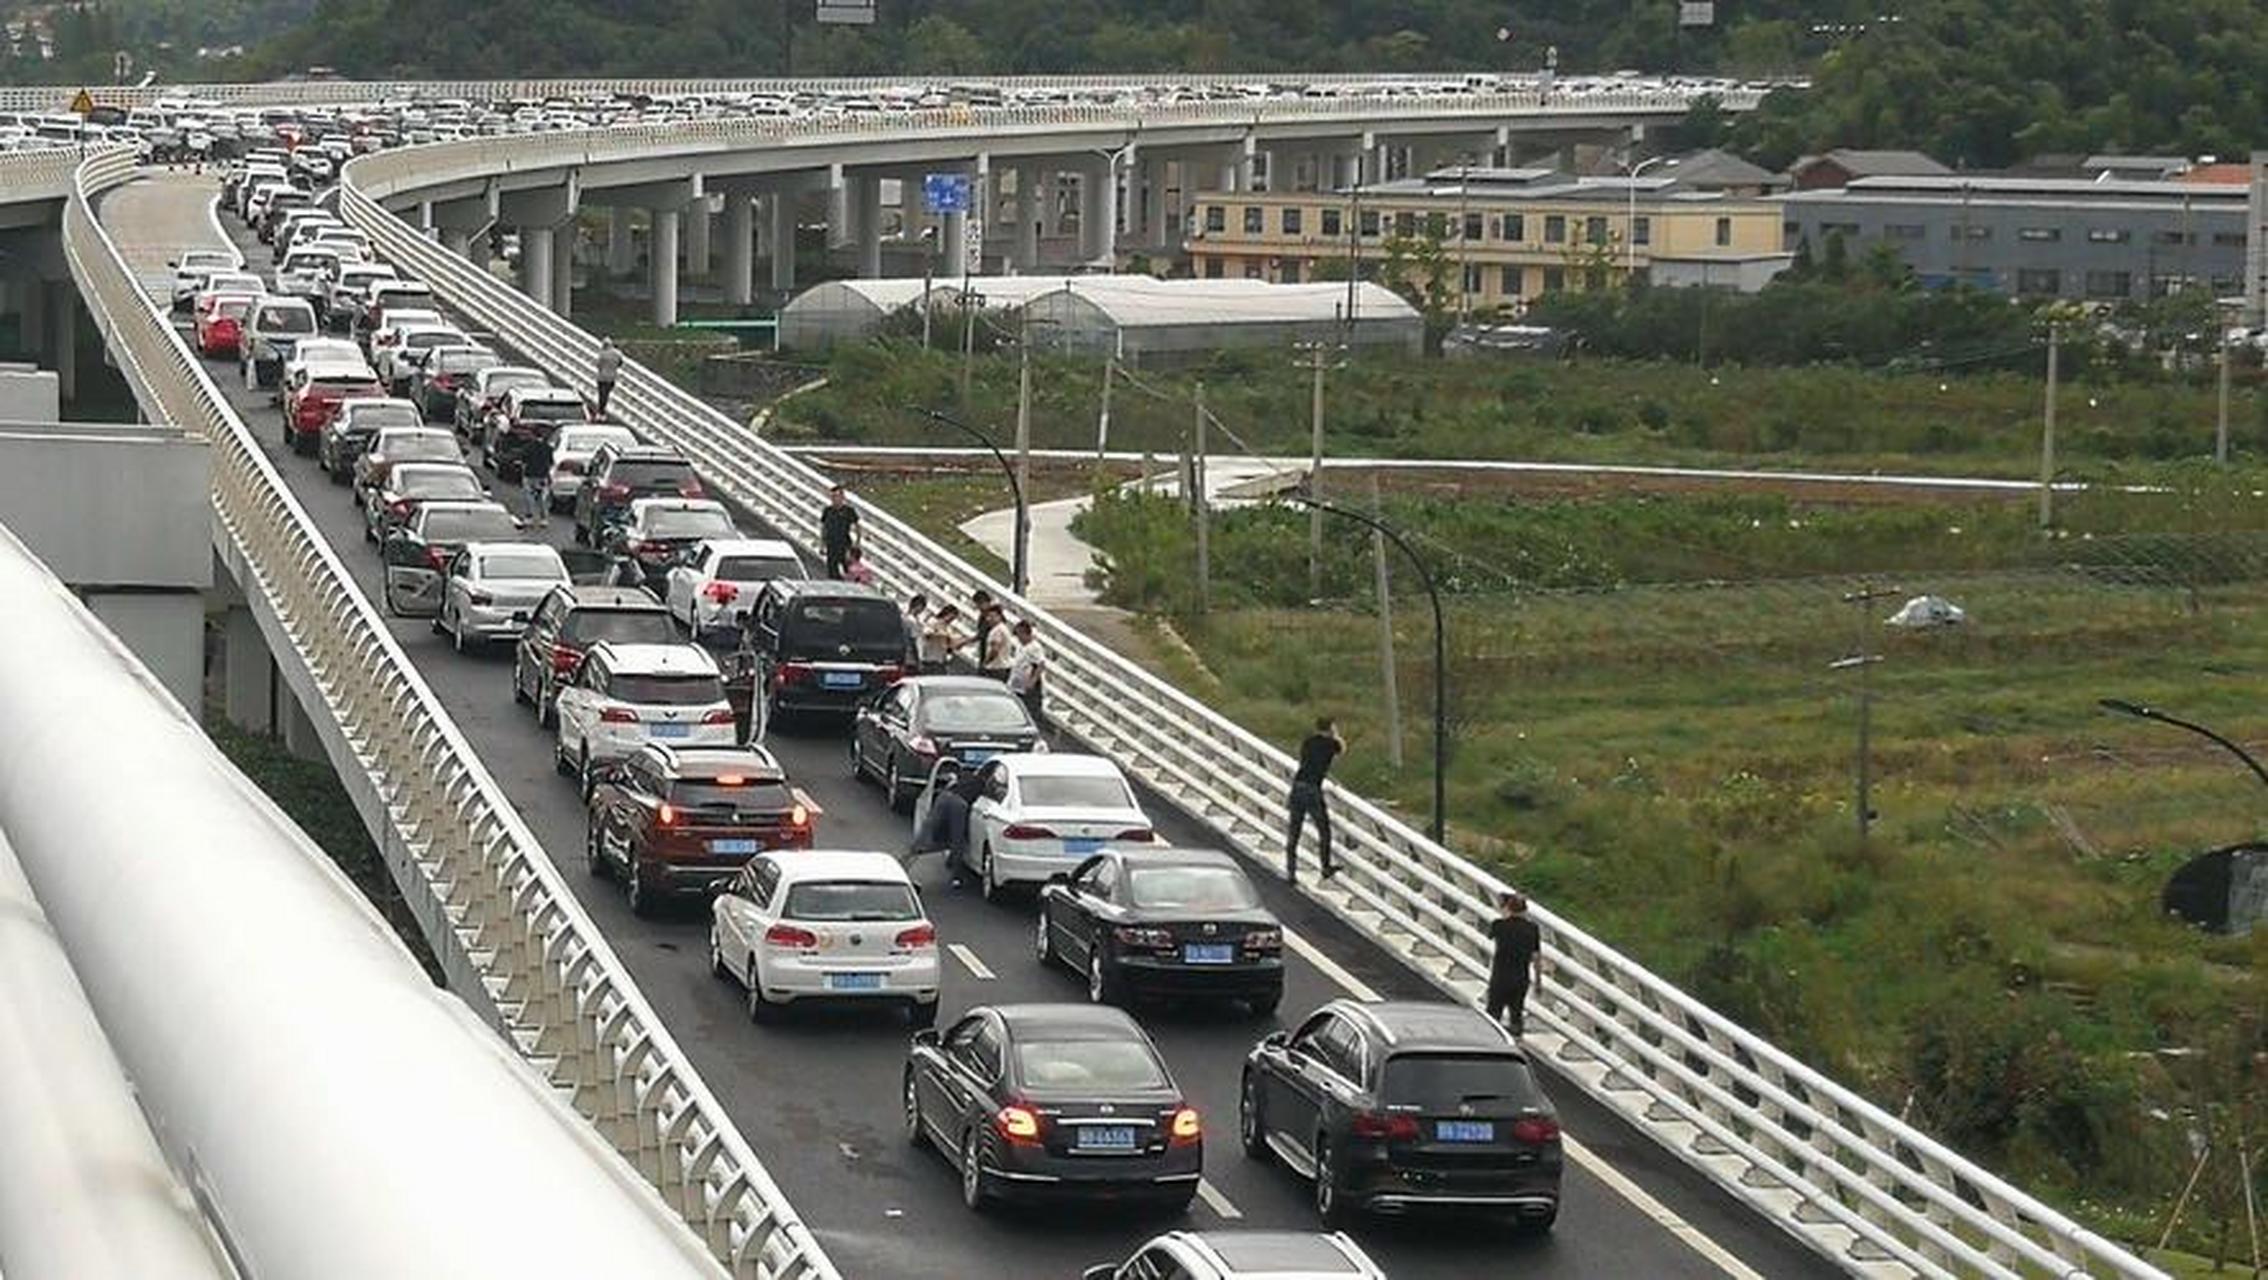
(659, 702)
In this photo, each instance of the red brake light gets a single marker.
(788, 935)
(1152, 939)
(1023, 831)
(1379, 1126)
(722, 715)
(614, 491)
(1264, 940)
(1019, 1124)
(1536, 1129)
(1187, 1127)
(666, 816)
(921, 935)
(401, 507)
(788, 673)
(619, 715)
(721, 592)
(565, 658)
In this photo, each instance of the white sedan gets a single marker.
(193, 267)
(719, 582)
(493, 588)
(826, 925)
(1041, 815)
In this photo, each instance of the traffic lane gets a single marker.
(1206, 1057)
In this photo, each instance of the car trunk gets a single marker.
(1475, 1114)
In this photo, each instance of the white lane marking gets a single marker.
(1591, 1162)
(220, 233)
(1217, 1202)
(969, 960)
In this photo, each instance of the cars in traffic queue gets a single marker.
(220, 327)
(312, 393)
(276, 327)
(568, 623)
(822, 646)
(1163, 923)
(672, 820)
(660, 532)
(347, 292)
(1034, 1101)
(388, 504)
(1038, 815)
(715, 582)
(623, 696)
(393, 446)
(443, 373)
(620, 474)
(521, 416)
(398, 362)
(275, 206)
(899, 734)
(380, 297)
(353, 245)
(486, 388)
(826, 925)
(306, 273)
(225, 284)
(194, 267)
(1400, 1106)
(1244, 1255)
(571, 453)
(383, 339)
(492, 588)
(355, 427)
(416, 553)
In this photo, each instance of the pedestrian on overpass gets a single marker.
(1027, 672)
(1315, 756)
(838, 530)
(996, 644)
(607, 368)
(1517, 959)
(940, 636)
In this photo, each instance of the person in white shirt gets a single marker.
(940, 636)
(996, 644)
(1027, 671)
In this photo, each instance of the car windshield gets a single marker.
(851, 900)
(621, 626)
(664, 691)
(456, 527)
(654, 474)
(536, 566)
(687, 522)
(378, 417)
(552, 411)
(437, 483)
(817, 626)
(286, 320)
(1440, 1081)
(1074, 791)
(1192, 889)
(339, 381)
(232, 308)
(976, 711)
(439, 448)
(434, 338)
(1088, 1064)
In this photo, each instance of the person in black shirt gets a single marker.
(1518, 957)
(1315, 756)
(947, 825)
(838, 525)
(535, 474)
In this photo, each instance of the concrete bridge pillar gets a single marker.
(1026, 251)
(661, 266)
(739, 248)
(1098, 213)
(696, 233)
(31, 314)
(248, 676)
(866, 224)
(563, 238)
(535, 263)
(66, 340)
(782, 239)
(621, 249)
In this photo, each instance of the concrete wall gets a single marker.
(29, 394)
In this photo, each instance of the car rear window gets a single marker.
(1088, 1064)
(746, 795)
(696, 522)
(500, 383)
(286, 320)
(341, 381)
(658, 471)
(1045, 791)
(872, 628)
(421, 448)
(974, 712)
(1440, 1081)
(438, 484)
(453, 527)
(465, 361)
(233, 308)
(380, 417)
(552, 411)
(524, 566)
(664, 691)
(851, 900)
(757, 569)
(1192, 889)
(621, 626)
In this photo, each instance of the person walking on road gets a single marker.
(1027, 672)
(1516, 961)
(604, 371)
(838, 530)
(535, 475)
(1315, 756)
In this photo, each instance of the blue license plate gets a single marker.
(842, 679)
(854, 982)
(977, 757)
(1082, 844)
(1465, 1130)
(1106, 1137)
(736, 846)
(673, 731)
(1208, 953)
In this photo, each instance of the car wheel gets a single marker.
(974, 1191)
(559, 762)
(1265, 1006)
(594, 857)
(1103, 986)
(583, 770)
(634, 891)
(921, 1014)
(1330, 1206)
(1043, 941)
(1251, 1127)
(917, 1133)
(894, 788)
(717, 967)
(993, 889)
(759, 1009)
(857, 758)
(519, 690)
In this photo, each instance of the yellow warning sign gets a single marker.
(82, 103)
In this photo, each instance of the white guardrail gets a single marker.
(493, 905)
(1845, 1176)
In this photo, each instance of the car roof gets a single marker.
(1432, 1024)
(1301, 1254)
(553, 392)
(421, 467)
(804, 865)
(386, 432)
(658, 659)
(748, 546)
(692, 759)
(955, 684)
(455, 506)
(336, 366)
(1174, 856)
(823, 588)
(1070, 1021)
(366, 403)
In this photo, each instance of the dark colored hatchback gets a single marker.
(567, 624)
(621, 474)
(823, 646)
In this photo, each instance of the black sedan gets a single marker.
(903, 731)
(1035, 1101)
(1402, 1106)
(1163, 922)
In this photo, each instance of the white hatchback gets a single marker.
(816, 924)
(626, 695)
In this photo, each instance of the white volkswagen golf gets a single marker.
(825, 925)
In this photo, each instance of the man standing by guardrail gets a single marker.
(1517, 959)
(1315, 756)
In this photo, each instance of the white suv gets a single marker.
(626, 695)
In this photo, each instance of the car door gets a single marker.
(680, 587)
(937, 1078)
(413, 585)
(1072, 913)
(1311, 1059)
(577, 704)
(458, 584)
(991, 811)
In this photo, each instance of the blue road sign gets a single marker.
(945, 193)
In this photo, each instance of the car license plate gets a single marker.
(736, 846)
(977, 757)
(1106, 1137)
(854, 982)
(1082, 844)
(1208, 953)
(841, 679)
(673, 731)
(1465, 1130)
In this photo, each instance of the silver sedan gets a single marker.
(493, 587)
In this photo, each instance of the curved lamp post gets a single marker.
(2142, 712)
(1021, 560)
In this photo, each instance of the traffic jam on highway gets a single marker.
(658, 644)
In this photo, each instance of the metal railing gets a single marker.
(44, 174)
(511, 935)
(1838, 1172)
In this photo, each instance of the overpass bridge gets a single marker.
(1706, 1150)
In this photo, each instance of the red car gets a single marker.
(312, 394)
(220, 328)
(676, 820)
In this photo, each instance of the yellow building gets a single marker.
(1512, 234)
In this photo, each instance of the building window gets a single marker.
(1847, 230)
(1252, 269)
(1514, 226)
(2228, 239)
(1724, 232)
(1290, 271)
(2226, 285)
(1970, 231)
(2038, 282)
(1554, 229)
(1641, 230)
(1369, 222)
(2110, 284)
(1437, 226)
(2172, 237)
(1405, 224)
(2168, 286)
(1334, 223)
(2040, 235)
(1472, 278)
(1473, 224)
(1294, 222)
(1508, 281)
(1554, 279)
(1216, 218)
(2108, 235)
(1254, 219)
(1594, 229)
(1212, 268)
(1902, 231)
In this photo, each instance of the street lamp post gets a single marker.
(1630, 220)
(1437, 829)
(1020, 570)
(2142, 712)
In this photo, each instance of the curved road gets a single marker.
(817, 1093)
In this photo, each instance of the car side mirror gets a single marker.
(1060, 877)
(1276, 1039)
(927, 1036)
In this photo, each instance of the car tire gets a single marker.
(994, 891)
(976, 1193)
(560, 764)
(519, 691)
(909, 1109)
(894, 788)
(717, 967)
(1043, 940)
(1264, 1006)
(759, 1009)
(594, 857)
(1330, 1204)
(1251, 1122)
(857, 758)
(635, 894)
(583, 770)
(921, 1014)
(1103, 986)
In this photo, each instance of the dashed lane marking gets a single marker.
(1217, 1202)
(970, 961)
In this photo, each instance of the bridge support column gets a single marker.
(31, 314)
(621, 250)
(1050, 191)
(299, 736)
(1098, 214)
(249, 675)
(661, 266)
(696, 233)
(838, 207)
(866, 224)
(739, 248)
(535, 263)
(782, 239)
(563, 238)
(1154, 227)
(954, 235)
(1026, 250)
(66, 338)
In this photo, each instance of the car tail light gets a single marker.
(890, 675)
(1137, 936)
(914, 939)
(437, 557)
(565, 658)
(722, 715)
(445, 381)
(721, 592)
(922, 744)
(1379, 1126)
(1535, 1129)
(1264, 940)
(1025, 831)
(788, 935)
(788, 673)
(1018, 1123)
(690, 489)
(800, 815)
(614, 491)
(1186, 1127)
(1135, 835)
(619, 715)
(401, 507)
(480, 598)
(666, 816)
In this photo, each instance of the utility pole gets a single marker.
(1102, 419)
(969, 309)
(2047, 429)
(1315, 478)
(1385, 631)
(1202, 507)
(1024, 430)
(2221, 419)
(1863, 600)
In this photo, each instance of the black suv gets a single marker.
(620, 474)
(1404, 1105)
(563, 628)
(823, 646)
